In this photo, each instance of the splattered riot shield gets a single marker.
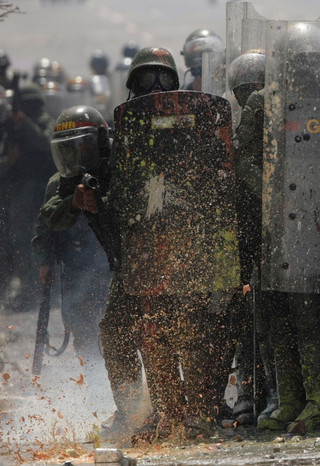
(213, 76)
(174, 190)
(291, 189)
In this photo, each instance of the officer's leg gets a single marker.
(121, 356)
(307, 314)
(80, 310)
(263, 329)
(248, 355)
(201, 361)
(160, 358)
(291, 393)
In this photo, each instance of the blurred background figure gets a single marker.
(196, 44)
(46, 70)
(27, 167)
(55, 98)
(100, 85)
(78, 91)
(52, 78)
(5, 81)
(120, 73)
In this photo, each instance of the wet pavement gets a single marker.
(53, 419)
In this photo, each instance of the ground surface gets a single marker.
(52, 419)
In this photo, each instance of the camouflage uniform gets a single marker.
(119, 348)
(29, 167)
(84, 275)
(282, 312)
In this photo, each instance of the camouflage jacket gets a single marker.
(76, 246)
(58, 215)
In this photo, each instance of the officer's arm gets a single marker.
(58, 213)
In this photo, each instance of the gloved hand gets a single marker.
(84, 199)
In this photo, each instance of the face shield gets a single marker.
(75, 154)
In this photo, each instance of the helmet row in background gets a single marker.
(204, 57)
(99, 85)
(291, 194)
(245, 32)
(62, 91)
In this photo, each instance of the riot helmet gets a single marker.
(99, 62)
(199, 41)
(130, 49)
(152, 69)
(247, 74)
(77, 84)
(128, 52)
(78, 91)
(80, 137)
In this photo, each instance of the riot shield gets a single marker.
(291, 191)
(213, 77)
(174, 190)
(245, 29)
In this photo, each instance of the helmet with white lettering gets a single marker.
(80, 138)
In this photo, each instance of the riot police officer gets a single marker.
(290, 235)
(81, 144)
(198, 42)
(245, 75)
(175, 324)
(30, 165)
(5, 63)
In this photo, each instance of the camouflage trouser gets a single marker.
(306, 315)
(120, 350)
